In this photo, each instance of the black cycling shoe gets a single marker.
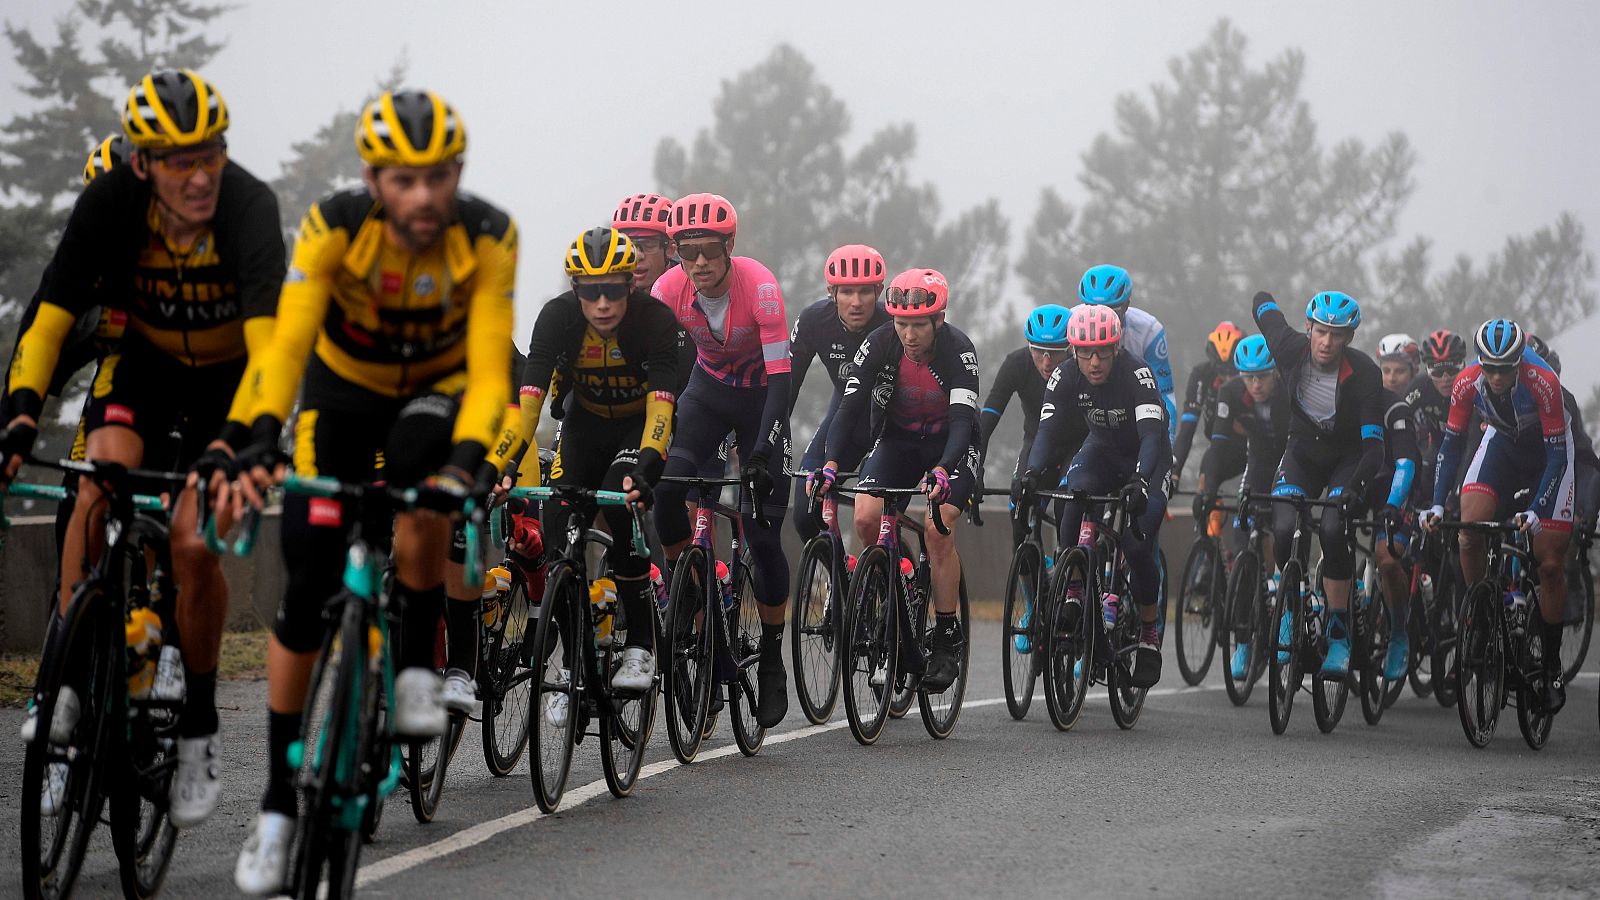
(772, 683)
(1555, 693)
(944, 658)
(1146, 665)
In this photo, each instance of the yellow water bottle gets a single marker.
(496, 582)
(143, 634)
(603, 595)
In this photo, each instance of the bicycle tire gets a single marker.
(1127, 701)
(1444, 630)
(328, 769)
(558, 663)
(1283, 661)
(1020, 668)
(1195, 615)
(425, 803)
(1532, 719)
(1577, 632)
(941, 711)
(1480, 665)
(742, 626)
(870, 642)
(814, 630)
(53, 872)
(687, 680)
(1419, 671)
(1066, 683)
(625, 729)
(1242, 614)
(507, 683)
(1370, 646)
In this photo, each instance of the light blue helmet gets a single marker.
(1335, 309)
(1500, 342)
(1106, 285)
(1046, 328)
(1253, 355)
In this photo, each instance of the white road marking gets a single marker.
(477, 834)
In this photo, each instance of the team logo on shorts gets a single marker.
(119, 414)
(423, 286)
(325, 512)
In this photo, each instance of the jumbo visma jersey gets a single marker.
(393, 322)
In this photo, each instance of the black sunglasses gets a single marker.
(592, 291)
(1443, 369)
(691, 252)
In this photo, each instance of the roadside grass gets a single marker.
(243, 657)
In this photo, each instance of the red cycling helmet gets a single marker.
(918, 292)
(855, 264)
(1093, 326)
(711, 213)
(643, 212)
(1444, 346)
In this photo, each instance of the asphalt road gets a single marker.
(1200, 799)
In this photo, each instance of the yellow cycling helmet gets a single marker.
(600, 251)
(172, 109)
(409, 128)
(110, 153)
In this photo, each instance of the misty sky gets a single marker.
(565, 102)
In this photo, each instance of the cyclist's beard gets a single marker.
(415, 241)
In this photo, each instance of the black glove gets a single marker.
(213, 461)
(1393, 518)
(446, 490)
(647, 495)
(1022, 491)
(1352, 503)
(17, 441)
(1135, 496)
(1204, 503)
(755, 475)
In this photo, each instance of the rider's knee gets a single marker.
(1553, 571)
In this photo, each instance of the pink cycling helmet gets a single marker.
(703, 212)
(1093, 326)
(643, 212)
(918, 292)
(855, 264)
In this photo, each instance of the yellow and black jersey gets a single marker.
(634, 372)
(393, 322)
(208, 303)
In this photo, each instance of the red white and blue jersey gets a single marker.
(755, 340)
(1531, 414)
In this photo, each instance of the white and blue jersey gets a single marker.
(1145, 337)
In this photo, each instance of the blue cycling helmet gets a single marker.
(1253, 355)
(1046, 328)
(1106, 285)
(1335, 309)
(1500, 342)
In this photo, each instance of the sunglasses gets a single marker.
(591, 292)
(691, 252)
(1443, 369)
(1499, 370)
(1088, 353)
(1256, 377)
(647, 244)
(185, 163)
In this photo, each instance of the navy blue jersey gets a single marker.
(1127, 408)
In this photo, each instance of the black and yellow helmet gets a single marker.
(110, 153)
(601, 251)
(409, 128)
(173, 108)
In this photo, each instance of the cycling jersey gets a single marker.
(208, 304)
(396, 323)
(1125, 411)
(819, 332)
(932, 400)
(1145, 337)
(1019, 377)
(1529, 415)
(1400, 450)
(1263, 428)
(1199, 406)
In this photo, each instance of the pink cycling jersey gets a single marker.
(756, 331)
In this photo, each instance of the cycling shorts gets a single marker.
(1501, 469)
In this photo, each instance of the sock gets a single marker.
(283, 729)
(772, 641)
(1552, 645)
(199, 705)
(419, 624)
(638, 600)
(461, 631)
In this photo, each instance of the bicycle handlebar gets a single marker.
(600, 498)
(883, 493)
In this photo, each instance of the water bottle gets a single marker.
(603, 596)
(1108, 611)
(169, 683)
(725, 585)
(496, 582)
(1517, 610)
(660, 586)
(143, 634)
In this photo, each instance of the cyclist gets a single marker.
(1335, 440)
(644, 218)
(1205, 381)
(1143, 334)
(833, 329)
(1023, 374)
(1399, 360)
(1586, 484)
(1253, 409)
(916, 382)
(733, 311)
(404, 288)
(1528, 444)
(1128, 450)
(617, 347)
(1428, 395)
(186, 244)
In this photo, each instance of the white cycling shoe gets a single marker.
(197, 785)
(418, 709)
(264, 861)
(54, 795)
(459, 692)
(62, 721)
(637, 672)
(556, 704)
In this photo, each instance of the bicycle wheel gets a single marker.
(557, 659)
(1532, 719)
(1127, 701)
(1420, 673)
(743, 624)
(814, 630)
(1196, 615)
(687, 678)
(81, 652)
(327, 758)
(1481, 665)
(625, 730)
(1069, 651)
(141, 833)
(1284, 659)
(507, 683)
(870, 645)
(1579, 626)
(1444, 631)
(1019, 638)
(940, 711)
(1239, 635)
(1371, 684)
